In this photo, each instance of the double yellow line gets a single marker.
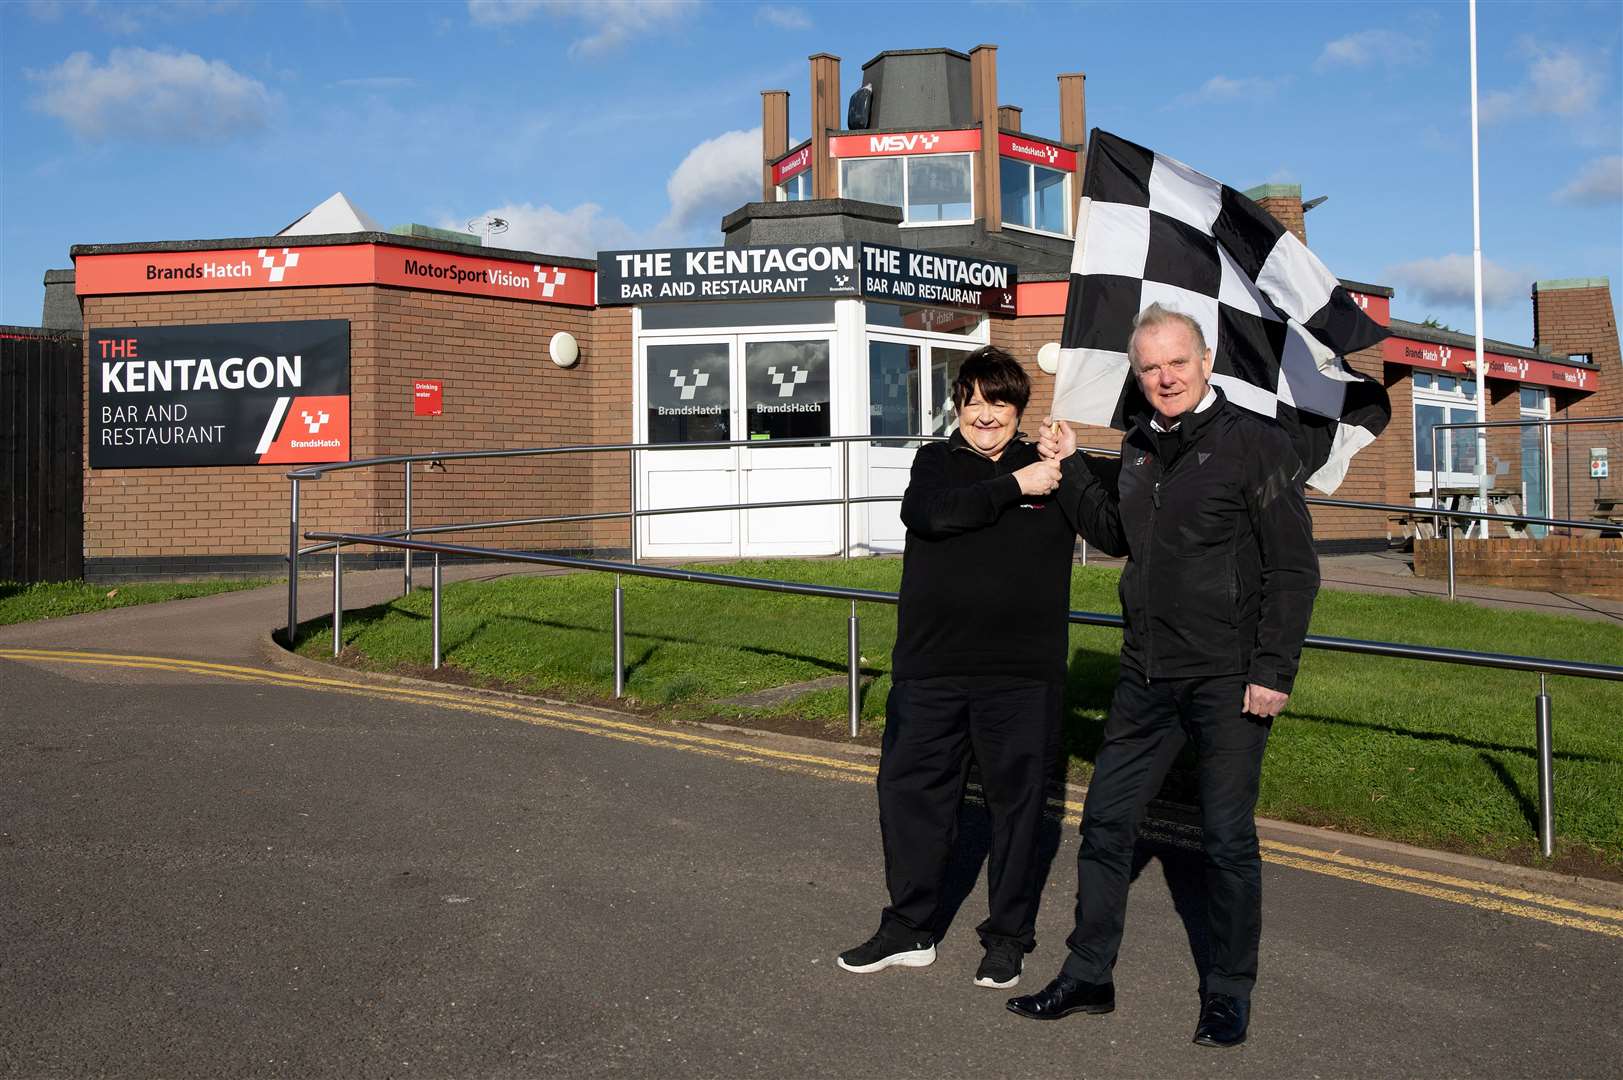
(1507, 900)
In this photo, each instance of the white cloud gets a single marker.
(1600, 183)
(1220, 88)
(784, 18)
(138, 93)
(127, 17)
(1559, 82)
(377, 82)
(1449, 280)
(718, 175)
(610, 22)
(1366, 47)
(581, 231)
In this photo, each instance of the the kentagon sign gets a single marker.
(802, 271)
(910, 276)
(684, 275)
(226, 394)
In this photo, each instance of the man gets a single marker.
(1216, 595)
(979, 665)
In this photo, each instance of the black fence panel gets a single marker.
(41, 477)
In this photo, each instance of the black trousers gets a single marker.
(931, 727)
(1144, 730)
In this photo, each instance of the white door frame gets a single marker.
(731, 529)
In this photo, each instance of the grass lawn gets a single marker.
(1422, 752)
(50, 599)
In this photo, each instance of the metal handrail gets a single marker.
(1543, 666)
(1397, 650)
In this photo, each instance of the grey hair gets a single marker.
(1158, 314)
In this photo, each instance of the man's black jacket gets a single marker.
(1221, 572)
(986, 576)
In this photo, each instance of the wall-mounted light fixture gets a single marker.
(564, 349)
(1048, 357)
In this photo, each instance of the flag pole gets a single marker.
(1476, 267)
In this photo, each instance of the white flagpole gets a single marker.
(1476, 266)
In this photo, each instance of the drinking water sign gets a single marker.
(224, 394)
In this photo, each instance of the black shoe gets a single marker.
(1065, 996)
(1223, 1020)
(890, 947)
(1000, 967)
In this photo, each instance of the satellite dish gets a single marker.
(489, 225)
(860, 111)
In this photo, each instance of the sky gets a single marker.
(628, 123)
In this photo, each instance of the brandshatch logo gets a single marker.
(893, 144)
(1035, 150)
(680, 381)
(786, 383)
(278, 265)
(793, 163)
(549, 280)
(316, 422)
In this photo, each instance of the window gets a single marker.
(916, 317)
(1444, 399)
(1535, 400)
(872, 180)
(689, 393)
(1580, 358)
(944, 364)
(786, 389)
(737, 313)
(893, 388)
(1034, 196)
(797, 188)
(934, 189)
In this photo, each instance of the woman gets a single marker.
(979, 667)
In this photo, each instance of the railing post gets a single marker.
(337, 599)
(1546, 770)
(293, 565)
(436, 611)
(1084, 552)
(407, 591)
(1451, 559)
(845, 500)
(619, 639)
(853, 660)
(633, 489)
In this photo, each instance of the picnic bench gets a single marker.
(1420, 524)
(1609, 508)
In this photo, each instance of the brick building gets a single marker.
(815, 318)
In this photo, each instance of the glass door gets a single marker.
(1443, 399)
(1535, 446)
(688, 396)
(909, 393)
(788, 393)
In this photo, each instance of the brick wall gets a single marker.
(1583, 565)
(1578, 318)
(501, 391)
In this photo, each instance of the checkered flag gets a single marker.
(1153, 230)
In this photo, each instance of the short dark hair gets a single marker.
(999, 375)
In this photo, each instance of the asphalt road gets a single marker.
(202, 876)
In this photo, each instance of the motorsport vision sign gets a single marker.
(226, 394)
(799, 271)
